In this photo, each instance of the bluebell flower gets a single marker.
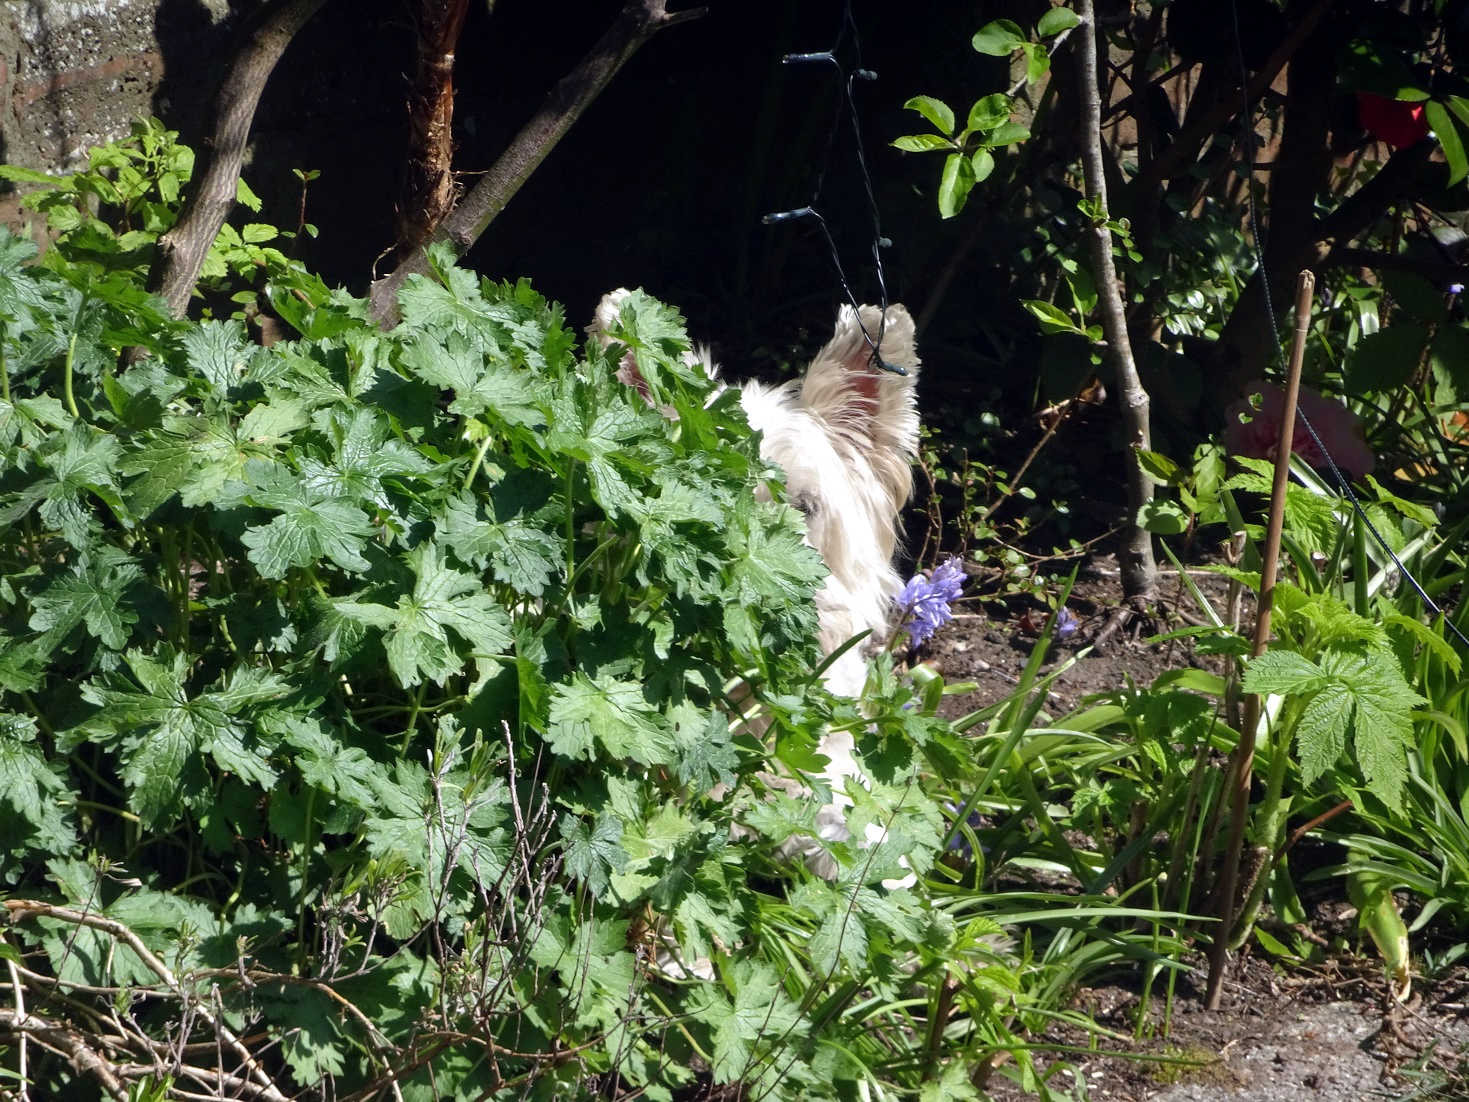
(1065, 622)
(1456, 288)
(925, 602)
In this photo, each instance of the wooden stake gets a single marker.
(1241, 762)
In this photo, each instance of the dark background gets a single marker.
(664, 181)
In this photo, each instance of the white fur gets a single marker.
(846, 436)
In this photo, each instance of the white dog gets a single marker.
(846, 436)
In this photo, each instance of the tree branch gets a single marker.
(1184, 150)
(181, 251)
(1139, 571)
(638, 22)
(27, 908)
(1438, 271)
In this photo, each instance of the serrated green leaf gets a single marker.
(759, 1010)
(1321, 734)
(1283, 671)
(591, 853)
(1157, 466)
(609, 714)
(93, 593)
(217, 352)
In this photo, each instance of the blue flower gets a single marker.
(1065, 622)
(925, 602)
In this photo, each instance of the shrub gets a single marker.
(364, 707)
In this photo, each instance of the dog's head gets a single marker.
(846, 436)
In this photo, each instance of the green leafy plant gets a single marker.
(969, 151)
(408, 706)
(112, 213)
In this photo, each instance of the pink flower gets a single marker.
(1254, 432)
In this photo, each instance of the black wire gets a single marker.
(847, 98)
(1247, 126)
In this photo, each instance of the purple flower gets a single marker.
(1456, 288)
(1065, 622)
(925, 602)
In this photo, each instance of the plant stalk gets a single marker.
(1241, 762)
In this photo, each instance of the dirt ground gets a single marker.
(1331, 1032)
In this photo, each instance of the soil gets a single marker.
(1331, 1032)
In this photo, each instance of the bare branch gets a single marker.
(181, 251)
(68, 1042)
(638, 22)
(30, 908)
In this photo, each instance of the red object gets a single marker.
(1397, 122)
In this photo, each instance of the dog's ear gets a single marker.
(604, 318)
(849, 391)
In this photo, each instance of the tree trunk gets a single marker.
(181, 251)
(638, 22)
(428, 186)
(1139, 571)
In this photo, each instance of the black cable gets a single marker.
(847, 99)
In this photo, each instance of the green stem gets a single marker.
(570, 525)
(413, 712)
(305, 871)
(1360, 569)
(1271, 818)
(4, 370)
(71, 352)
(479, 457)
